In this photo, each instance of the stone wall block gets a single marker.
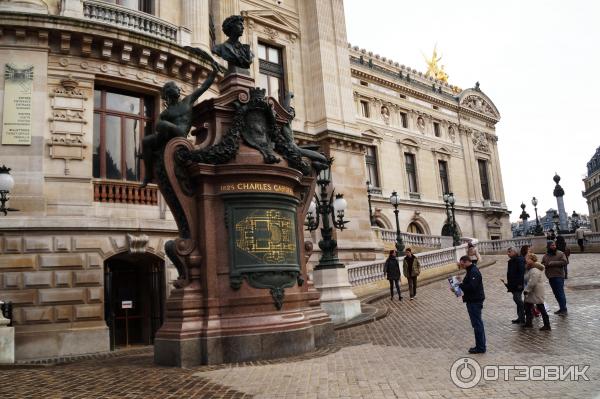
(57, 295)
(93, 244)
(12, 245)
(62, 260)
(41, 314)
(18, 262)
(87, 277)
(37, 279)
(12, 280)
(21, 297)
(63, 278)
(94, 261)
(95, 294)
(86, 312)
(64, 313)
(62, 243)
(38, 244)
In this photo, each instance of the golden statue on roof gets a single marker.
(433, 67)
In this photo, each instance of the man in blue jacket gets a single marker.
(515, 282)
(473, 297)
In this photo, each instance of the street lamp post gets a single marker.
(328, 213)
(369, 191)
(449, 200)
(6, 184)
(524, 216)
(395, 201)
(539, 231)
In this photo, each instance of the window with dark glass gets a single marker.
(483, 177)
(404, 119)
(364, 108)
(270, 70)
(436, 129)
(140, 5)
(121, 119)
(371, 161)
(411, 172)
(443, 167)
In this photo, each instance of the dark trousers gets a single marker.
(474, 310)
(558, 288)
(529, 313)
(518, 298)
(397, 283)
(580, 243)
(412, 285)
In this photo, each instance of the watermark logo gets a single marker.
(467, 373)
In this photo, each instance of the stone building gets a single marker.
(592, 190)
(83, 257)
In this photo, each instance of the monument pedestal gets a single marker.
(240, 209)
(337, 298)
(7, 345)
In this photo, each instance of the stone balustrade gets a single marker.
(125, 193)
(112, 14)
(368, 272)
(411, 239)
(538, 243)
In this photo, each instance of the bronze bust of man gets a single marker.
(235, 53)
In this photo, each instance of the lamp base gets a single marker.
(337, 298)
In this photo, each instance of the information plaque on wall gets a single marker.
(17, 112)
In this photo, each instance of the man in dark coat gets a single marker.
(473, 297)
(391, 270)
(515, 281)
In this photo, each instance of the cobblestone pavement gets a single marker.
(408, 354)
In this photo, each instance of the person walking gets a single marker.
(554, 262)
(515, 280)
(534, 292)
(411, 268)
(391, 270)
(473, 297)
(473, 253)
(580, 237)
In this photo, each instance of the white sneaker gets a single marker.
(411, 298)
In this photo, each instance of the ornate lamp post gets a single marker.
(556, 220)
(6, 184)
(539, 230)
(449, 200)
(524, 216)
(369, 191)
(395, 201)
(328, 212)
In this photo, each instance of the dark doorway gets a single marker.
(134, 298)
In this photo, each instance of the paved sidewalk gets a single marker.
(405, 355)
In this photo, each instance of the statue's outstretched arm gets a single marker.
(207, 83)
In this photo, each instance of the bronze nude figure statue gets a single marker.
(174, 121)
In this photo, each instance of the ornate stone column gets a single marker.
(560, 203)
(196, 18)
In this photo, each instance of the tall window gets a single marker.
(436, 129)
(443, 167)
(404, 119)
(364, 108)
(483, 176)
(371, 161)
(140, 5)
(121, 119)
(270, 71)
(411, 172)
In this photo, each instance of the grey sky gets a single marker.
(537, 60)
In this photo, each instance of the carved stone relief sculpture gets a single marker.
(421, 124)
(385, 115)
(480, 141)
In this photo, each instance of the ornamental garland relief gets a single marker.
(478, 104)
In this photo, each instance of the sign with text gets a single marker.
(126, 304)
(256, 186)
(17, 112)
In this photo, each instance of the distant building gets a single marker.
(592, 190)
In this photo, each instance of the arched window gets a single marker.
(414, 228)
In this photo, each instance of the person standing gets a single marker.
(473, 297)
(515, 280)
(391, 270)
(551, 236)
(555, 262)
(534, 292)
(473, 253)
(411, 268)
(580, 237)
(561, 245)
